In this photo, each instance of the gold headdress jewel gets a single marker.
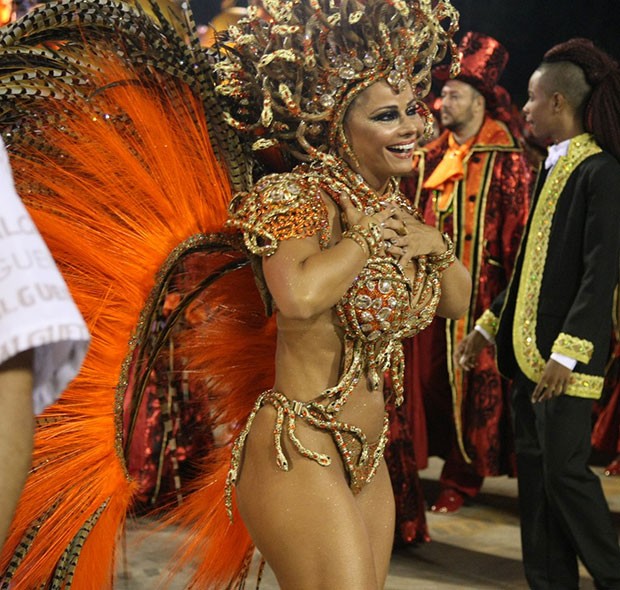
(292, 67)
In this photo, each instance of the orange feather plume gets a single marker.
(137, 186)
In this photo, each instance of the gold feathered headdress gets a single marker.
(292, 67)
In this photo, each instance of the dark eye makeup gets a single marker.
(392, 114)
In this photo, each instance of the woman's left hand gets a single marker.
(407, 237)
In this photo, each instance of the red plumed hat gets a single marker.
(482, 60)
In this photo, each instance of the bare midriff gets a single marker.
(309, 360)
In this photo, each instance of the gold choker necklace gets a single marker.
(337, 177)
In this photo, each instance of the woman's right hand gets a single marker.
(412, 238)
(354, 216)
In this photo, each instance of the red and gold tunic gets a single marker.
(485, 215)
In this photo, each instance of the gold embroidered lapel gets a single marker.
(526, 350)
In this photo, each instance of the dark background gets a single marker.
(205, 10)
(527, 28)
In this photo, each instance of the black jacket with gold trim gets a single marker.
(560, 298)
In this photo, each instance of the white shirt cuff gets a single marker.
(564, 360)
(485, 334)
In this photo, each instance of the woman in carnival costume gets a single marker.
(126, 153)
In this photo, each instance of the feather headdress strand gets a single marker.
(53, 52)
(292, 67)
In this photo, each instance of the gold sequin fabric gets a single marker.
(362, 461)
(382, 307)
(360, 458)
(378, 302)
(489, 322)
(280, 207)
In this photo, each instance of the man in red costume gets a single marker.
(476, 184)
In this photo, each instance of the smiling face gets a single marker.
(539, 109)
(382, 128)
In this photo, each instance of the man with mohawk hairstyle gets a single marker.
(552, 325)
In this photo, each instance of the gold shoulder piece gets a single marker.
(279, 207)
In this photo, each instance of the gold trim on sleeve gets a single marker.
(573, 347)
(489, 322)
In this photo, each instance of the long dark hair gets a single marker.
(601, 111)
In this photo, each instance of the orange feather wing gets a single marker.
(124, 188)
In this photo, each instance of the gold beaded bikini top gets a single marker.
(383, 305)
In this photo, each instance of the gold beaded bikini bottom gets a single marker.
(360, 458)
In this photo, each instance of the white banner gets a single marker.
(36, 308)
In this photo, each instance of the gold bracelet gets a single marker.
(375, 238)
(369, 239)
(441, 262)
(358, 239)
